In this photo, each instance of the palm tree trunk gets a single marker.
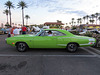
(99, 22)
(10, 16)
(7, 19)
(87, 21)
(26, 22)
(10, 20)
(23, 16)
(96, 21)
(84, 21)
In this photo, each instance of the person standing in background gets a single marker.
(24, 30)
(16, 31)
(28, 29)
(8, 31)
(11, 32)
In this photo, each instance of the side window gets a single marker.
(44, 33)
(53, 33)
(57, 33)
(41, 34)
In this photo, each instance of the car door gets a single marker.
(61, 39)
(44, 41)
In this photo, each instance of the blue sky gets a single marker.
(41, 11)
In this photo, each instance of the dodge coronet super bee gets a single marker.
(58, 39)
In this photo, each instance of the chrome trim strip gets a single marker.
(62, 44)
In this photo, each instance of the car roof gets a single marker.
(51, 29)
(63, 31)
(55, 29)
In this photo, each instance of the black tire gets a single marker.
(72, 47)
(21, 47)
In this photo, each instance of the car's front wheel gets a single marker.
(72, 47)
(21, 47)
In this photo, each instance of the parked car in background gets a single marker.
(36, 29)
(59, 39)
(91, 31)
(3, 31)
(45, 27)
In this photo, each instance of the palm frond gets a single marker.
(22, 5)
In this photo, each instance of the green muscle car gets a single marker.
(58, 39)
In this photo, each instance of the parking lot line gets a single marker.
(91, 52)
(12, 55)
(73, 55)
(98, 51)
(88, 51)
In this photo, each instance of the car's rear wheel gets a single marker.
(21, 47)
(72, 47)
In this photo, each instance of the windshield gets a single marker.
(39, 32)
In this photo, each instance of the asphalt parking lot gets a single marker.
(86, 61)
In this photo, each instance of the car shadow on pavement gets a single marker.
(55, 51)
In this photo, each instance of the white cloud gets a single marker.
(41, 11)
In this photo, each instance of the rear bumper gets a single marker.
(87, 44)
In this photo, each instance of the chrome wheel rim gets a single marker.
(72, 47)
(21, 46)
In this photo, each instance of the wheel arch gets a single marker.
(21, 42)
(74, 43)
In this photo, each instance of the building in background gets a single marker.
(91, 26)
(54, 24)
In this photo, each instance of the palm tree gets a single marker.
(6, 12)
(99, 20)
(66, 23)
(97, 14)
(72, 21)
(27, 17)
(9, 5)
(92, 16)
(79, 21)
(84, 19)
(87, 17)
(22, 5)
(92, 21)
